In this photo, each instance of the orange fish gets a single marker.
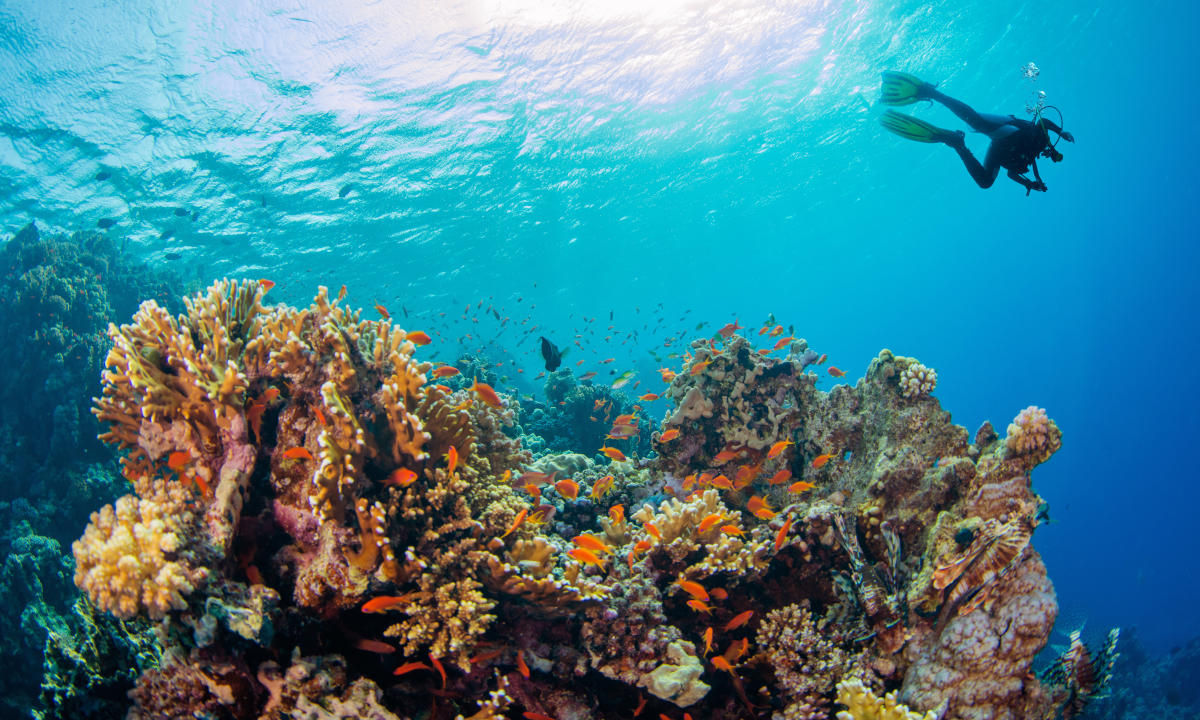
(759, 508)
(708, 637)
(746, 475)
(320, 416)
(178, 459)
(516, 523)
(719, 594)
(438, 666)
(266, 285)
(653, 530)
(451, 460)
(649, 397)
(602, 487)
(783, 342)
(485, 656)
(780, 477)
(591, 542)
(537, 478)
(534, 490)
(820, 460)
(739, 620)
(445, 371)
(778, 448)
(781, 536)
(616, 513)
(586, 375)
(487, 394)
(732, 530)
(834, 371)
(668, 435)
(418, 337)
(374, 646)
(722, 482)
(383, 603)
(821, 360)
(613, 453)
(721, 663)
(401, 477)
(694, 589)
(699, 606)
(297, 453)
(777, 330)
(699, 367)
(667, 375)
(730, 329)
(383, 312)
(586, 557)
(411, 666)
(641, 546)
(735, 651)
(725, 456)
(200, 483)
(269, 395)
(624, 419)
(709, 521)
(640, 706)
(800, 486)
(567, 488)
(764, 329)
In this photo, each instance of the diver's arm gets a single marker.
(1064, 135)
(1029, 184)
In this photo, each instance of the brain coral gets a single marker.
(121, 560)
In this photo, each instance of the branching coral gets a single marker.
(1033, 433)
(862, 704)
(806, 661)
(122, 560)
(916, 380)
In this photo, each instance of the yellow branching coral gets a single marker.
(341, 456)
(121, 560)
(678, 522)
(862, 704)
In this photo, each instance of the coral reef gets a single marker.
(1033, 433)
(313, 496)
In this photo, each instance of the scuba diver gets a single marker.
(1016, 144)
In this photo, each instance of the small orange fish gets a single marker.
(709, 521)
(445, 371)
(653, 530)
(781, 536)
(699, 367)
(401, 477)
(780, 477)
(719, 594)
(732, 530)
(516, 523)
(485, 656)
(266, 285)
(668, 435)
(585, 556)
(374, 646)
(418, 337)
(800, 486)
(739, 620)
(178, 459)
(640, 706)
(641, 546)
(783, 342)
(708, 637)
(778, 448)
(613, 453)
(534, 490)
(383, 313)
(721, 663)
(616, 513)
(438, 666)
(820, 460)
(648, 397)
(722, 482)
(383, 603)
(411, 666)
(777, 330)
(451, 460)
(730, 329)
(593, 543)
(759, 508)
(699, 606)
(487, 394)
(586, 375)
(725, 456)
(821, 360)
(320, 417)
(735, 651)
(694, 589)
(834, 371)
(269, 395)
(764, 329)
(602, 487)
(567, 488)
(746, 475)
(297, 453)
(667, 375)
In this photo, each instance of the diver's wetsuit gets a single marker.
(1015, 146)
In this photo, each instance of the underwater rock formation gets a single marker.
(787, 550)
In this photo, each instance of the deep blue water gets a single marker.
(723, 160)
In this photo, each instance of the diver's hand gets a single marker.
(1038, 186)
(1067, 136)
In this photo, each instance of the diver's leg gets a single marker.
(984, 175)
(978, 121)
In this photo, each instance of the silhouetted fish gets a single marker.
(551, 355)
(103, 175)
(181, 212)
(167, 234)
(345, 190)
(105, 223)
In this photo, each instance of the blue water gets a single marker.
(567, 160)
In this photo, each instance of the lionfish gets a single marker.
(1082, 674)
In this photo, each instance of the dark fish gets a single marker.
(181, 212)
(551, 355)
(173, 256)
(345, 191)
(105, 223)
(103, 175)
(405, 310)
(195, 215)
(167, 234)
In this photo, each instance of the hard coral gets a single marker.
(862, 704)
(916, 380)
(1034, 434)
